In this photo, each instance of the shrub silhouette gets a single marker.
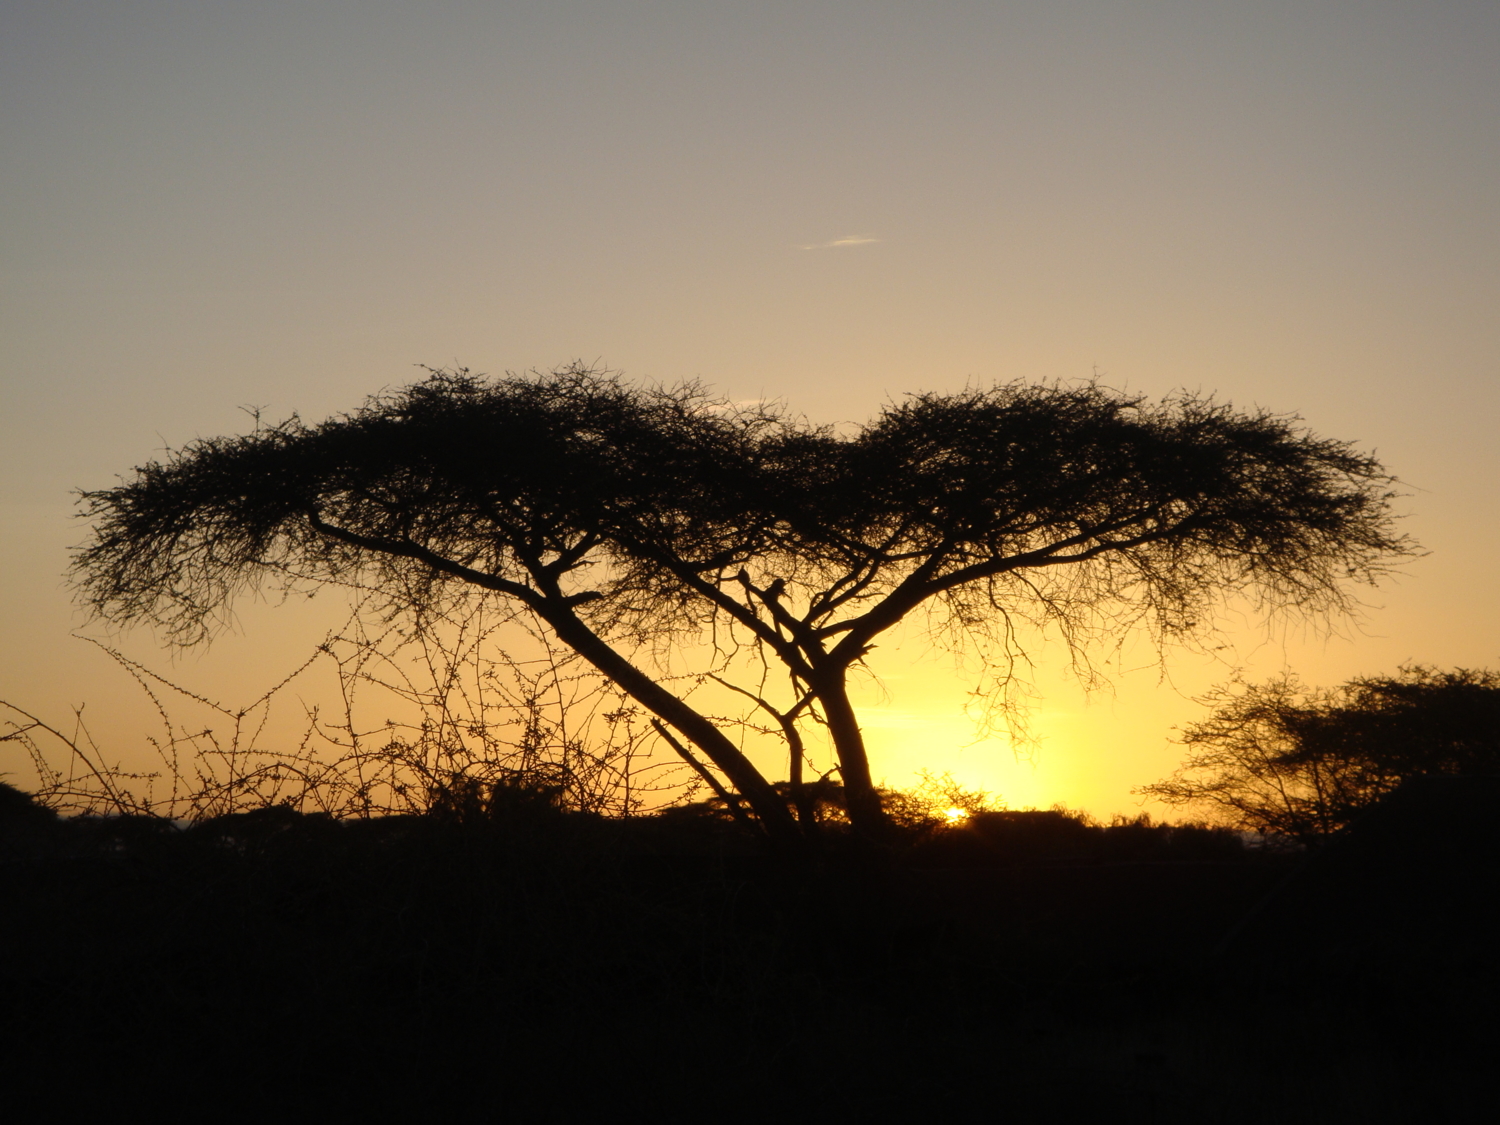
(418, 966)
(1060, 836)
(20, 810)
(1284, 760)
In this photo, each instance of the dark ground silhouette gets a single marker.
(557, 967)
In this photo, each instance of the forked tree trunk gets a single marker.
(776, 820)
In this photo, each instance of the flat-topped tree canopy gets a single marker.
(620, 513)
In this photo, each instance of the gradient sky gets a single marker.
(286, 205)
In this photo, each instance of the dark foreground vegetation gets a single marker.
(503, 960)
(495, 956)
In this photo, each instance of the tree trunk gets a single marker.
(770, 808)
(866, 814)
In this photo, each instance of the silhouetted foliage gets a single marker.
(1009, 837)
(1402, 903)
(436, 967)
(473, 718)
(20, 809)
(628, 519)
(25, 824)
(1288, 761)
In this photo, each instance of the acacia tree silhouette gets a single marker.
(625, 517)
(1284, 760)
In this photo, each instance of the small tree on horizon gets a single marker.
(1285, 760)
(632, 520)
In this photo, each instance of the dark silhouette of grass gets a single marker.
(506, 958)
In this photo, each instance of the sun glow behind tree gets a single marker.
(635, 523)
(1286, 205)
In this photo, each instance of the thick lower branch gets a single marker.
(731, 802)
(776, 820)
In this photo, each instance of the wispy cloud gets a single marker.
(841, 243)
